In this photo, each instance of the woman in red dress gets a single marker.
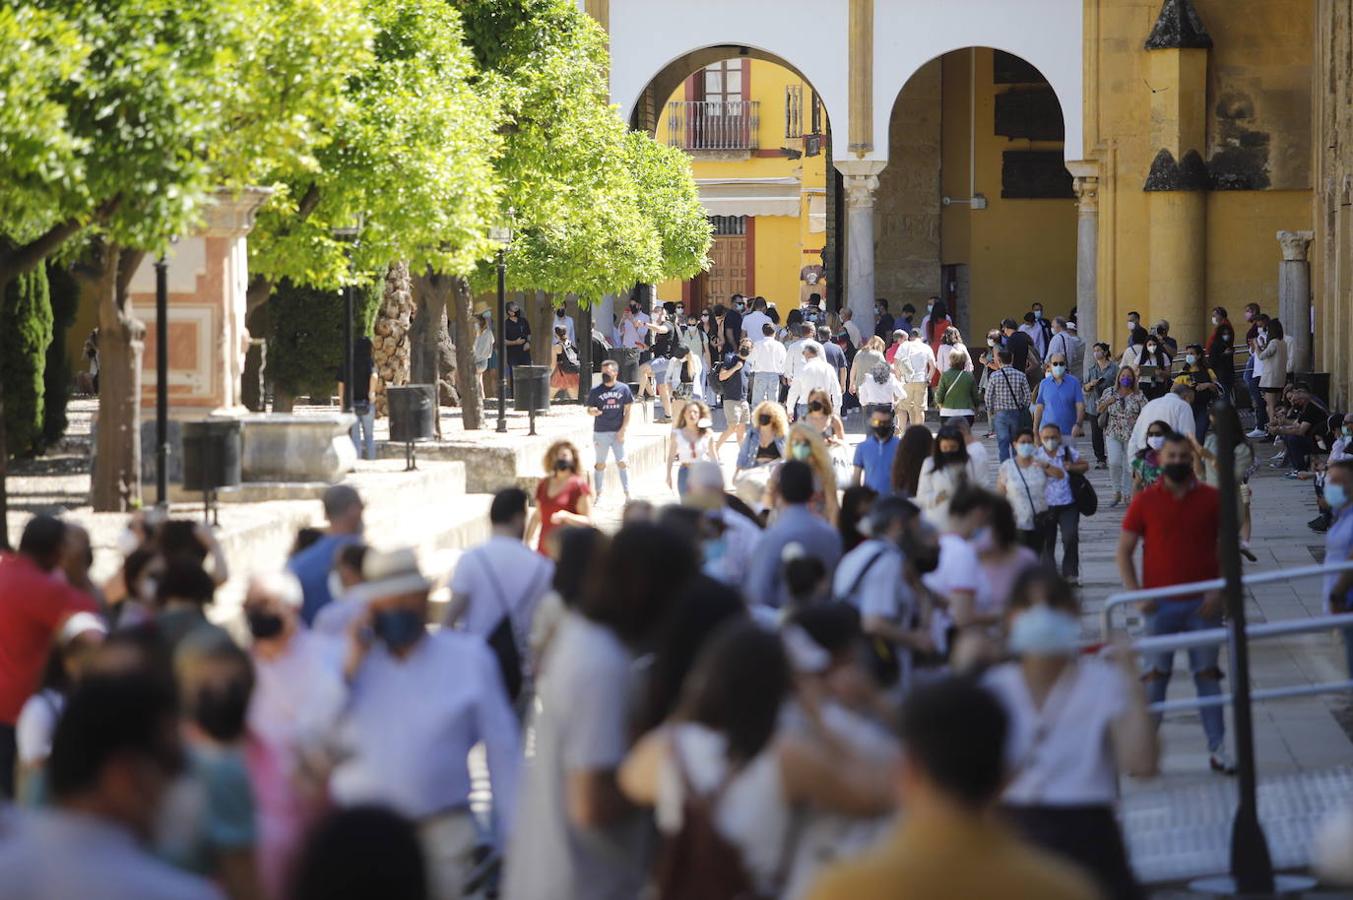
(563, 496)
(939, 323)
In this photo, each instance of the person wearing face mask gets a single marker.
(516, 340)
(610, 405)
(1177, 521)
(795, 523)
(814, 375)
(880, 578)
(1153, 367)
(298, 695)
(1119, 406)
(883, 321)
(343, 508)
(1175, 409)
(947, 470)
(1060, 463)
(1061, 399)
(1254, 368)
(1146, 464)
(1221, 347)
(1075, 722)
(1339, 548)
(957, 391)
(333, 620)
(1037, 331)
(563, 496)
(1100, 375)
(873, 462)
(805, 444)
(1273, 357)
(728, 538)
(1136, 340)
(1022, 481)
(417, 703)
(733, 384)
(763, 448)
(115, 754)
(1205, 383)
(209, 826)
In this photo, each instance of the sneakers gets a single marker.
(1256, 434)
(1246, 552)
(1117, 500)
(1220, 761)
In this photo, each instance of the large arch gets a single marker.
(650, 46)
(907, 35)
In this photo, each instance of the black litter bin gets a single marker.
(531, 388)
(413, 408)
(211, 454)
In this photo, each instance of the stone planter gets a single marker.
(290, 449)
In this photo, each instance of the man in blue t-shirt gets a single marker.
(343, 508)
(610, 402)
(874, 455)
(1061, 401)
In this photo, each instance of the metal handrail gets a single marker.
(1215, 584)
(714, 124)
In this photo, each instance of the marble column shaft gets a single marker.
(1294, 295)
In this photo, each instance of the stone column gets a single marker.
(1086, 176)
(1294, 295)
(861, 181)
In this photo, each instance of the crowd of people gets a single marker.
(841, 670)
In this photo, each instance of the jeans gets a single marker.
(765, 388)
(1175, 617)
(1097, 438)
(1256, 400)
(1120, 465)
(1299, 448)
(1068, 523)
(608, 443)
(1348, 649)
(363, 432)
(1006, 425)
(683, 478)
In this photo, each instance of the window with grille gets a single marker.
(793, 110)
(726, 226)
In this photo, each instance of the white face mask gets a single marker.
(1155, 442)
(1216, 320)
(1051, 444)
(1044, 631)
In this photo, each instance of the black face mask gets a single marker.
(1178, 472)
(815, 406)
(607, 378)
(763, 419)
(744, 353)
(221, 710)
(264, 625)
(884, 431)
(924, 557)
(563, 465)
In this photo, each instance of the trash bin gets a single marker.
(211, 454)
(413, 408)
(531, 388)
(628, 361)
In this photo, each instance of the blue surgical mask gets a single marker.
(1191, 359)
(1335, 495)
(1155, 442)
(1059, 371)
(1025, 450)
(399, 629)
(1038, 314)
(1051, 445)
(714, 550)
(801, 451)
(1044, 631)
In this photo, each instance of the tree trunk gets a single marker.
(257, 294)
(117, 453)
(467, 379)
(390, 342)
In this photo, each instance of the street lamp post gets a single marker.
(353, 234)
(162, 382)
(502, 236)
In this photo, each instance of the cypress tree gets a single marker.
(26, 311)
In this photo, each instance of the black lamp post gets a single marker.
(502, 236)
(162, 382)
(353, 234)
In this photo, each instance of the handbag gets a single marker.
(1082, 491)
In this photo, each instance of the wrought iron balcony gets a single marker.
(713, 124)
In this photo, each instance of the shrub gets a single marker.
(26, 314)
(305, 346)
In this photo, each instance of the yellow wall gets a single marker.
(784, 244)
(1017, 251)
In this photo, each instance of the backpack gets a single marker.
(1082, 491)
(568, 359)
(699, 863)
(503, 640)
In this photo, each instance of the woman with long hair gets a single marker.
(805, 444)
(855, 504)
(1274, 354)
(1075, 722)
(562, 380)
(869, 356)
(1154, 355)
(689, 442)
(938, 324)
(563, 496)
(1146, 465)
(914, 449)
(1022, 481)
(761, 451)
(944, 474)
(1119, 406)
(725, 752)
(952, 340)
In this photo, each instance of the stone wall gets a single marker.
(1332, 251)
(907, 211)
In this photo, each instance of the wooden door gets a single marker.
(728, 272)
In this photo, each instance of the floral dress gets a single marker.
(1146, 465)
(1122, 415)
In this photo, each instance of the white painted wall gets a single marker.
(812, 36)
(1047, 33)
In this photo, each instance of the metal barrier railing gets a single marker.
(1202, 587)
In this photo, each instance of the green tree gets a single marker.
(57, 374)
(305, 348)
(670, 200)
(26, 311)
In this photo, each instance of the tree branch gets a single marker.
(308, 202)
(25, 258)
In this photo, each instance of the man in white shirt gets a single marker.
(1034, 329)
(1066, 342)
(633, 331)
(794, 353)
(852, 330)
(815, 375)
(914, 365)
(767, 363)
(501, 577)
(417, 703)
(563, 320)
(1174, 409)
(752, 323)
(115, 755)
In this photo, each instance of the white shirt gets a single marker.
(410, 724)
(934, 482)
(913, 362)
(565, 323)
(631, 332)
(483, 346)
(673, 373)
(881, 593)
(36, 725)
(1168, 409)
(1034, 330)
(817, 375)
(58, 855)
(872, 393)
(793, 359)
(979, 460)
(768, 356)
(751, 326)
(298, 696)
(958, 569)
(501, 575)
(1073, 764)
(739, 537)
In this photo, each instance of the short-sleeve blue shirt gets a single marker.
(1059, 401)
(876, 458)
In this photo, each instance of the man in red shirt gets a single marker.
(1177, 521)
(34, 600)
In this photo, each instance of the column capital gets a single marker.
(1295, 244)
(1087, 193)
(231, 214)
(861, 180)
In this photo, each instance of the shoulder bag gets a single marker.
(1042, 520)
(1082, 491)
(503, 640)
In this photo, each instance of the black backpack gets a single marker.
(1082, 491)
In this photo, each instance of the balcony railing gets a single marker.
(713, 124)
